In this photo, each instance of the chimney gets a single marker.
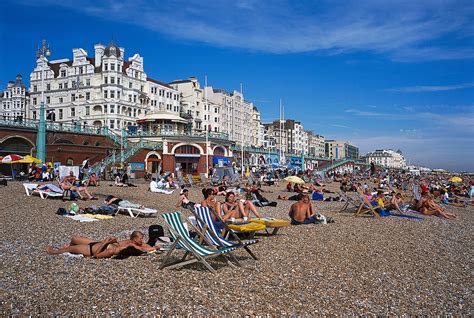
(99, 52)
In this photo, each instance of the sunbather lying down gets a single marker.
(103, 249)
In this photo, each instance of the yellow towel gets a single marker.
(271, 222)
(249, 227)
(98, 216)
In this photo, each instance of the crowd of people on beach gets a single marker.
(390, 193)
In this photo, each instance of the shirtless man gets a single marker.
(302, 211)
(102, 249)
(395, 203)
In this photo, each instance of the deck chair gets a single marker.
(365, 206)
(182, 182)
(32, 188)
(349, 202)
(135, 212)
(198, 252)
(206, 226)
(190, 180)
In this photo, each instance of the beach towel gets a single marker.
(81, 218)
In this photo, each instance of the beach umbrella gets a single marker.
(11, 158)
(294, 179)
(455, 179)
(28, 159)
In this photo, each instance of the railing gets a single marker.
(167, 133)
(272, 152)
(336, 164)
(75, 127)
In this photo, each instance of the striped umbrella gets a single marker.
(11, 158)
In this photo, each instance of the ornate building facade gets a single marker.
(104, 90)
(14, 100)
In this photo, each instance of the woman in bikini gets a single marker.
(429, 207)
(102, 249)
(238, 208)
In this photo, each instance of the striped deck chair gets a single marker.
(365, 207)
(206, 226)
(181, 238)
(349, 202)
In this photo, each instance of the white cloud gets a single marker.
(405, 30)
(433, 88)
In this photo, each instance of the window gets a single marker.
(48, 99)
(106, 67)
(34, 115)
(106, 80)
(130, 85)
(112, 94)
(88, 110)
(48, 87)
(141, 88)
(105, 109)
(105, 94)
(112, 124)
(81, 71)
(112, 109)
(60, 85)
(34, 100)
(65, 85)
(35, 88)
(134, 98)
(112, 80)
(112, 66)
(88, 82)
(60, 99)
(129, 98)
(63, 73)
(216, 110)
(60, 114)
(73, 112)
(215, 119)
(88, 95)
(73, 97)
(118, 80)
(118, 94)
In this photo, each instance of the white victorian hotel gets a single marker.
(105, 90)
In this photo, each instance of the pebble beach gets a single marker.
(355, 266)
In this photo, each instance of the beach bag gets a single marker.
(62, 211)
(106, 210)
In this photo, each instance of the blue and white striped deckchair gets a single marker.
(181, 236)
(206, 226)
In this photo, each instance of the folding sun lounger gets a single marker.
(197, 251)
(365, 207)
(135, 212)
(349, 202)
(32, 188)
(206, 226)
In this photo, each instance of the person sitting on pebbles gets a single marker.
(103, 249)
(302, 212)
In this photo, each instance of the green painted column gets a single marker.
(41, 136)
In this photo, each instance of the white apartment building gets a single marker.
(230, 113)
(387, 158)
(105, 90)
(14, 100)
(316, 145)
(194, 104)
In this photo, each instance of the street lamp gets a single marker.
(42, 53)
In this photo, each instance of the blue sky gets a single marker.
(382, 74)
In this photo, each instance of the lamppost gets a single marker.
(42, 53)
